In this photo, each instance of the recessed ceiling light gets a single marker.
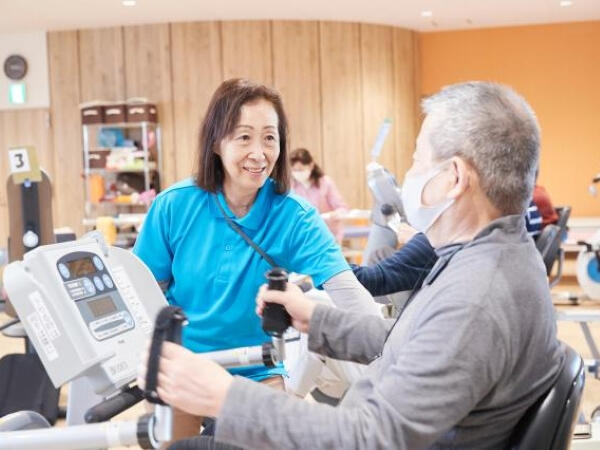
(128, 2)
(426, 13)
(566, 3)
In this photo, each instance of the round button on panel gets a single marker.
(107, 281)
(89, 287)
(98, 263)
(64, 271)
(98, 283)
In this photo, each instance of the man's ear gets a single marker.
(460, 170)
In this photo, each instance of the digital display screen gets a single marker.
(102, 306)
(80, 267)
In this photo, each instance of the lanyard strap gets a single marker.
(244, 236)
(440, 265)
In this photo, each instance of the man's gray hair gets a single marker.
(496, 131)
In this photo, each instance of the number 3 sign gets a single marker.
(19, 160)
(24, 164)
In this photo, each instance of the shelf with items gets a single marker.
(123, 228)
(122, 220)
(120, 124)
(110, 189)
(121, 170)
(120, 202)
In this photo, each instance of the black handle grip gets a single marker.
(387, 209)
(107, 409)
(167, 327)
(275, 318)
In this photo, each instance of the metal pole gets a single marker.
(79, 437)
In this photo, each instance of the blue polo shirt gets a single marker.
(214, 275)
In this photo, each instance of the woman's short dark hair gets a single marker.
(222, 116)
(303, 156)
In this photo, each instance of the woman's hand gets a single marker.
(188, 381)
(294, 301)
(335, 215)
(405, 233)
(327, 215)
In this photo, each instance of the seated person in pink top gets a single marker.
(311, 183)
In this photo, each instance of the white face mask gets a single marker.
(302, 176)
(419, 216)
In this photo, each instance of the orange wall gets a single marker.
(557, 69)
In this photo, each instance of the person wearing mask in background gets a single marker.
(473, 349)
(311, 183)
(205, 266)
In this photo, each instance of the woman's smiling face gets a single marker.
(250, 152)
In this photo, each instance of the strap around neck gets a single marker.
(244, 236)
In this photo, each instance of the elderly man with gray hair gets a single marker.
(474, 347)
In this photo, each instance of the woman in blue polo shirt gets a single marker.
(204, 266)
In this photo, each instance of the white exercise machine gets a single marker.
(387, 212)
(588, 260)
(588, 267)
(89, 310)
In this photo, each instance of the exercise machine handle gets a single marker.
(587, 245)
(109, 408)
(275, 318)
(169, 323)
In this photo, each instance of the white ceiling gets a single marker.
(28, 15)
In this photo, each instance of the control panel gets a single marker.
(90, 286)
(87, 308)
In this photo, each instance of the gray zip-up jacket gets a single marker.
(473, 350)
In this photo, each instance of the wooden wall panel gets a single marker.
(3, 174)
(101, 66)
(63, 62)
(148, 74)
(25, 127)
(407, 97)
(247, 50)
(343, 153)
(377, 68)
(296, 75)
(197, 71)
(338, 81)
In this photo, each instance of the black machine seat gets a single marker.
(548, 424)
(548, 244)
(564, 212)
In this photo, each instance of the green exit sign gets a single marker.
(16, 93)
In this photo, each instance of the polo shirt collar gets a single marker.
(505, 229)
(255, 217)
